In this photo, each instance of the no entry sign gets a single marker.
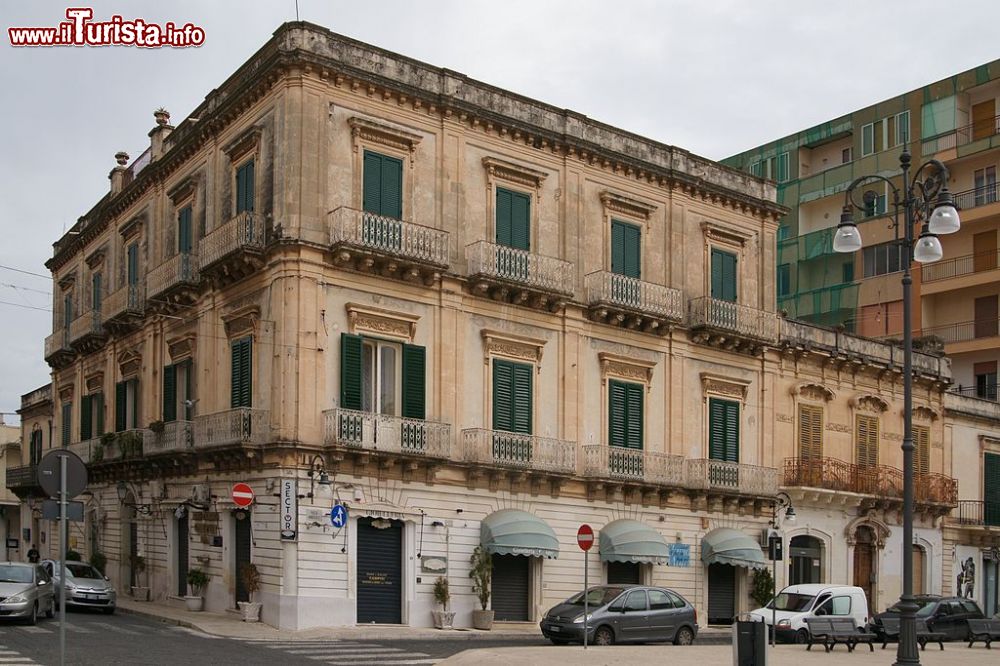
(585, 537)
(242, 495)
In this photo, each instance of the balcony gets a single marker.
(608, 466)
(367, 432)
(977, 513)
(978, 196)
(935, 493)
(58, 352)
(630, 303)
(242, 427)
(234, 250)
(984, 391)
(965, 332)
(977, 136)
(728, 478)
(517, 276)
(964, 265)
(174, 282)
(388, 247)
(85, 448)
(23, 480)
(124, 308)
(174, 437)
(86, 332)
(515, 451)
(731, 325)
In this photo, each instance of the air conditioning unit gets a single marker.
(766, 534)
(201, 493)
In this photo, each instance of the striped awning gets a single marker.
(631, 541)
(516, 532)
(728, 546)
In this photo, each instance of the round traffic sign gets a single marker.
(242, 495)
(49, 473)
(338, 515)
(585, 537)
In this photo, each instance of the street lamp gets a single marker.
(781, 501)
(924, 200)
(316, 466)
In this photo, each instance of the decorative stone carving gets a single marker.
(892, 436)
(716, 231)
(838, 427)
(65, 392)
(783, 418)
(96, 258)
(383, 133)
(500, 343)
(869, 403)
(811, 391)
(94, 382)
(880, 529)
(365, 318)
(66, 281)
(922, 413)
(619, 203)
(241, 321)
(515, 173)
(133, 227)
(735, 388)
(181, 347)
(244, 144)
(129, 362)
(184, 189)
(625, 367)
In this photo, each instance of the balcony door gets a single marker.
(382, 199)
(723, 275)
(184, 238)
(513, 230)
(984, 250)
(991, 489)
(626, 261)
(512, 411)
(985, 373)
(984, 119)
(986, 317)
(723, 442)
(625, 427)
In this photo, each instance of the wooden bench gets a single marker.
(984, 630)
(843, 630)
(819, 628)
(890, 630)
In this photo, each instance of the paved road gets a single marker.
(100, 640)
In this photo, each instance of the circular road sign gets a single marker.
(585, 537)
(338, 515)
(48, 473)
(242, 495)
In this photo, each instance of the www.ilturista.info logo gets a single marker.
(79, 30)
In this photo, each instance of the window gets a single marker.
(922, 449)
(810, 432)
(723, 275)
(625, 414)
(126, 405)
(784, 232)
(847, 272)
(784, 279)
(35, 450)
(91, 416)
(626, 249)
(635, 601)
(67, 423)
(841, 605)
(513, 219)
(677, 601)
(845, 155)
(755, 168)
(512, 396)
(991, 489)
(382, 377)
(184, 238)
(658, 600)
(782, 171)
(723, 430)
(868, 140)
(866, 441)
(132, 265)
(876, 206)
(95, 292)
(383, 185)
(883, 259)
(901, 132)
(67, 308)
(986, 186)
(986, 379)
(241, 378)
(177, 391)
(245, 187)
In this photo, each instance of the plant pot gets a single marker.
(250, 610)
(443, 619)
(194, 604)
(482, 619)
(140, 593)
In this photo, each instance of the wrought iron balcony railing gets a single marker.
(175, 436)
(717, 475)
(733, 318)
(963, 331)
(876, 480)
(243, 233)
(365, 231)
(981, 129)
(125, 301)
(242, 426)
(391, 434)
(964, 265)
(977, 513)
(511, 449)
(519, 267)
(613, 462)
(179, 270)
(983, 195)
(85, 325)
(620, 291)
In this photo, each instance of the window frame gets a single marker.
(251, 161)
(868, 137)
(628, 387)
(782, 170)
(374, 395)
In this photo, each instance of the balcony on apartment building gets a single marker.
(173, 282)
(976, 513)
(516, 451)
(731, 325)
(964, 336)
(518, 276)
(366, 433)
(125, 307)
(386, 246)
(718, 477)
(58, 350)
(234, 250)
(238, 428)
(86, 333)
(23, 481)
(616, 465)
(170, 438)
(982, 390)
(979, 135)
(934, 493)
(630, 303)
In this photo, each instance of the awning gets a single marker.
(516, 532)
(728, 546)
(631, 541)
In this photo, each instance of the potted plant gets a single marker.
(139, 592)
(481, 574)
(444, 618)
(251, 581)
(157, 427)
(197, 580)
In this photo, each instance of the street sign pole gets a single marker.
(586, 587)
(62, 560)
(585, 540)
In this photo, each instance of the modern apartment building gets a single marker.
(470, 318)
(956, 121)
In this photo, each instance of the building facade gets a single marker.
(472, 319)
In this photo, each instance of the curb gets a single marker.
(162, 619)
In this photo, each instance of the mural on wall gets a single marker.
(966, 567)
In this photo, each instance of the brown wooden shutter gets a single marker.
(867, 440)
(810, 432)
(922, 449)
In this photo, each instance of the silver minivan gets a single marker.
(25, 591)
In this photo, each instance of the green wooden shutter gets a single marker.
(522, 398)
(184, 230)
(350, 371)
(723, 276)
(991, 489)
(169, 393)
(503, 217)
(95, 295)
(414, 381)
(626, 249)
(392, 187)
(617, 247)
(241, 390)
(98, 400)
(513, 219)
(245, 187)
(616, 414)
(634, 415)
(503, 395)
(85, 420)
(135, 401)
(67, 423)
(732, 431)
(372, 183)
(133, 264)
(188, 371)
(121, 395)
(723, 430)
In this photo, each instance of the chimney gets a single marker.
(159, 134)
(117, 174)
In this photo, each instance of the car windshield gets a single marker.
(13, 574)
(789, 601)
(79, 570)
(596, 596)
(926, 607)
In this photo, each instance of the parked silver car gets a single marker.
(623, 614)
(25, 591)
(86, 587)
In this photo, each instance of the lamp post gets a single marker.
(924, 199)
(781, 502)
(317, 466)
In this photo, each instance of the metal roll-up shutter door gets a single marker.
(510, 588)
(182, 555)
(721, 593)
(380, 572)
(624, 573)
(242, 555)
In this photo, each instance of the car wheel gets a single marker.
(559, 641)
(801, 636)
(33, 618)
(109, 611)
(604, 636)
(684, 636)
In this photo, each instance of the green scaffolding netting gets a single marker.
(816, 284)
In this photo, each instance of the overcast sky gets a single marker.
(712, 76)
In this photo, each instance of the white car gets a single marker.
(795, 603)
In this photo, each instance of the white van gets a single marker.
(797, 602)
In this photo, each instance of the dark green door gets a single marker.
(383, 199)
(991, 489)
(512, 407)
(723, 442)
(184, 230)
(723, 276)
(513, 230)
(242, 540)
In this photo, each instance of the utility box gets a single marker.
(749, 643)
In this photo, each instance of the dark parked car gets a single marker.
(947, 615)
(623, 614)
